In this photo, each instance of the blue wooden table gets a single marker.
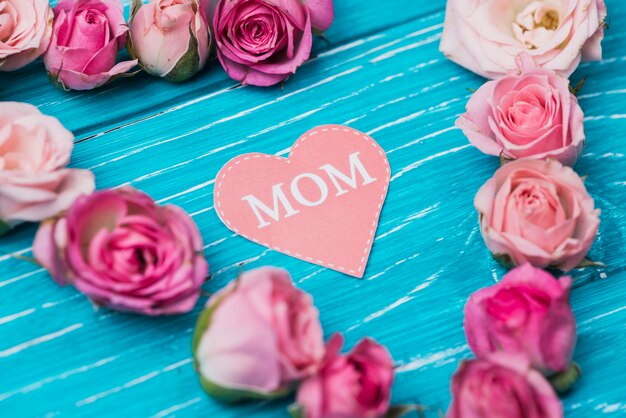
(382, 74)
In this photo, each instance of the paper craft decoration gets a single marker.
(321, 205)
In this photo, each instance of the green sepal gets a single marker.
(235, 396)
(188, 65)
(135, 5)
(587, 262)
(564, 382)
(4, 228)
(296, 411)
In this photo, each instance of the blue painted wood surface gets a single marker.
(382, 74)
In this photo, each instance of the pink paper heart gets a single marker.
(320, 205)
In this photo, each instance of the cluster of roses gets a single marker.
(256, 339)
(258, 42)
(535, 212)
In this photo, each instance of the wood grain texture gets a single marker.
(383, 75)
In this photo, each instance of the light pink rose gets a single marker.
(353, 385)
(502, 387)
(170, 38)
(126, 253)
(528, 313)
(86, 38)
(25, 30)
(485, 36)
(537, 212)
(527, 115)
(34, 152)
(257, 336)
(262, 42)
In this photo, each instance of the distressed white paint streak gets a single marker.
(309, 276)
(14, 253)
(604, 315)
(418, 163)
(393, 53)
(177, 407)
(388, 269)
(423, 138)
(400, 121)
(134, 382)
(39, 384)
(39, 340)
(13, 317)
(432, 359)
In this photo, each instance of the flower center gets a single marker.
(535, 25)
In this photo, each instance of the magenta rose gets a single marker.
(87, 36)
(485, 36)
(25, 31)
(126, 253)
(35, 183)
(502, 387)
(527, 115)
(528, 313)
(262, 42)
(537, 212)
(355, 385)
(257, 337)
(170, 38)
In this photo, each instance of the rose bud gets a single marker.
(528, 313)
(355, 385)
(527, 115)
(25, 31)
(34, 152)
(126, 253)
(257, 337)
(170, 38)
(86, 38)
(537, 212)
(486, 36)
(503, 387)
(263, 42)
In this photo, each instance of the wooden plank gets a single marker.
(64, 358)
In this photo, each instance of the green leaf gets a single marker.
(587, 262)
(188, 65)
(564, 382)
(296, 411)
(4, 228)
(236, 396)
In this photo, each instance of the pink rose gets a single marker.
(531, 115)
(485, 36)
(87, 36)
(34, 152)
(25, 30)
(170, 38)
(257, 336)
(354, 385)
(126, 253)
(537, 212)
(262, 42)
(503, 387)
(527, 313)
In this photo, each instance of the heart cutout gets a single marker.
(321, 205)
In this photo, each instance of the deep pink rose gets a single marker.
(34, 152)
(262, 42)
(531, 114)
(25, 30)
(126, 253)
(537, 212)
(502, 387)
(87, 36)
(485, 36)
(353, 385)
(257, 336)
(170, 38)
(527, 313)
